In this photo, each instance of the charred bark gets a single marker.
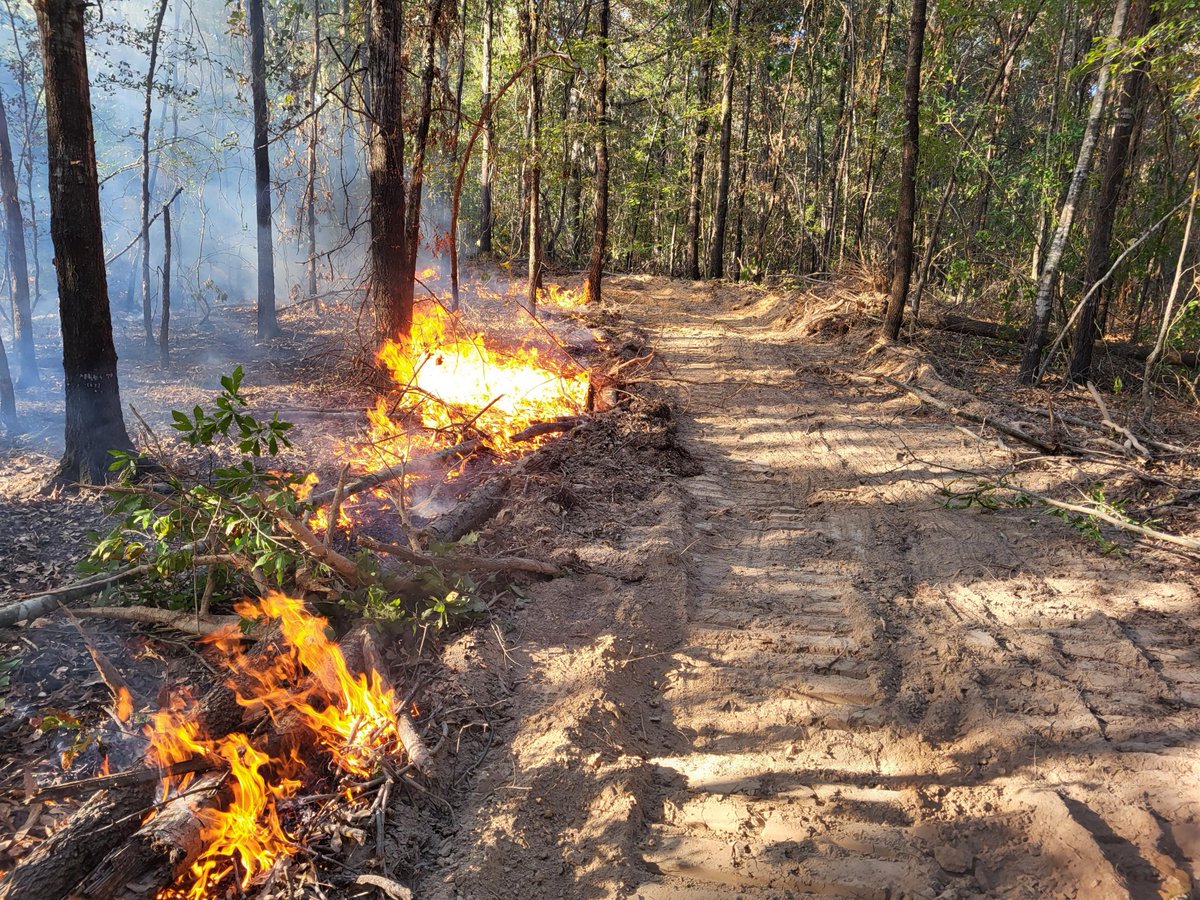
(600, 235)
(94, 423)
(267, 325)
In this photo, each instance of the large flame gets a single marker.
(451, 380)
(308, 688)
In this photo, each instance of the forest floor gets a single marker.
(780, 665)
(799, 673)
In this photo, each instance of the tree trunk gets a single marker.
(864, 202)
(155, 37)
(267, 326)
(164, 334)
(385, 166)
(412, 236)
(716, 256)
(1039, 323)
(1112, 179)
(906, 210)
(8, 399)
(600, 239)
(485, 167)
(530, 27)
(695, 192)
(743, 172)
(313, 137)
(18, 265)
(1168, 316)
(94, 424)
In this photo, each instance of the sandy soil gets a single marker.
(798, 673)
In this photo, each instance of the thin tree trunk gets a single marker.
(743, 172)
(1168, 315)
(420, 144)
(531, 26)
(314, 136)
(1112, 179)
(600, 239)
(906, 211)
(267, 326)
(1039, 323)
(385, 167)
(8, 399)
(18, 265)
(486, 163)
(716, 256)
(695, 192)
(155, 37)
(864, 203)
(94, 422)
(164, 334)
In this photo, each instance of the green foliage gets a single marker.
(1089, 525)
(232, 509)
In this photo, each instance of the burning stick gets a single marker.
(414, 747)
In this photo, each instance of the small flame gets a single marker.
(123, 704)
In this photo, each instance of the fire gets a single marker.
(308, 690)
(450, 380)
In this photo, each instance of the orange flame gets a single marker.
(352, 717)
(450, 381)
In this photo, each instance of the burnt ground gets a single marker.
(780, 664)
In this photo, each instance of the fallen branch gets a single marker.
(414, 747)
(1125, 525)
(109, 674)
(1107, 422)
(142, 775)
(184, 621)
(478, 506)
(989, 421)
(462, 563)
(1097, 426)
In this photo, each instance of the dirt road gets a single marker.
(798, 673)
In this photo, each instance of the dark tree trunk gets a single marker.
(696, 189)
(94, 424)
(716, 257)
(864, 199)
(906, 210)
(1112, 179)
(310, 212)
(486, 169)
(155, 37)
(412, 232)
(1039, 323)
(385, 165)
(267, 326)
(18, 265)
(164, 334)
(600, 239)
(8, 399)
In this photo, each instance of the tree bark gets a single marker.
(906, 211)
(8, 399)
(695, 191)
(716, 257)
(743, 171)
(385, 166)
(1112, 179)
(267, 326)
(530, 26)
(94, 423)
(1168, 315)
(600, 237)
(313, 137)
(18, 264)
(164, 334)
(155, 37)
(486, 168)
(1039, 323)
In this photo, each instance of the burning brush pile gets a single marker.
(257, 783)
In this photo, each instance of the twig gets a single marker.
(113, 680)
(122, 779)
(1107, 421)
(335, 507)
(1003, 427)
(181, 620)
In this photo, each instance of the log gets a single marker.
(163, 849)
(181, 620)
(478, 506)
(60, 862)
(989, 421)
(977, 328)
